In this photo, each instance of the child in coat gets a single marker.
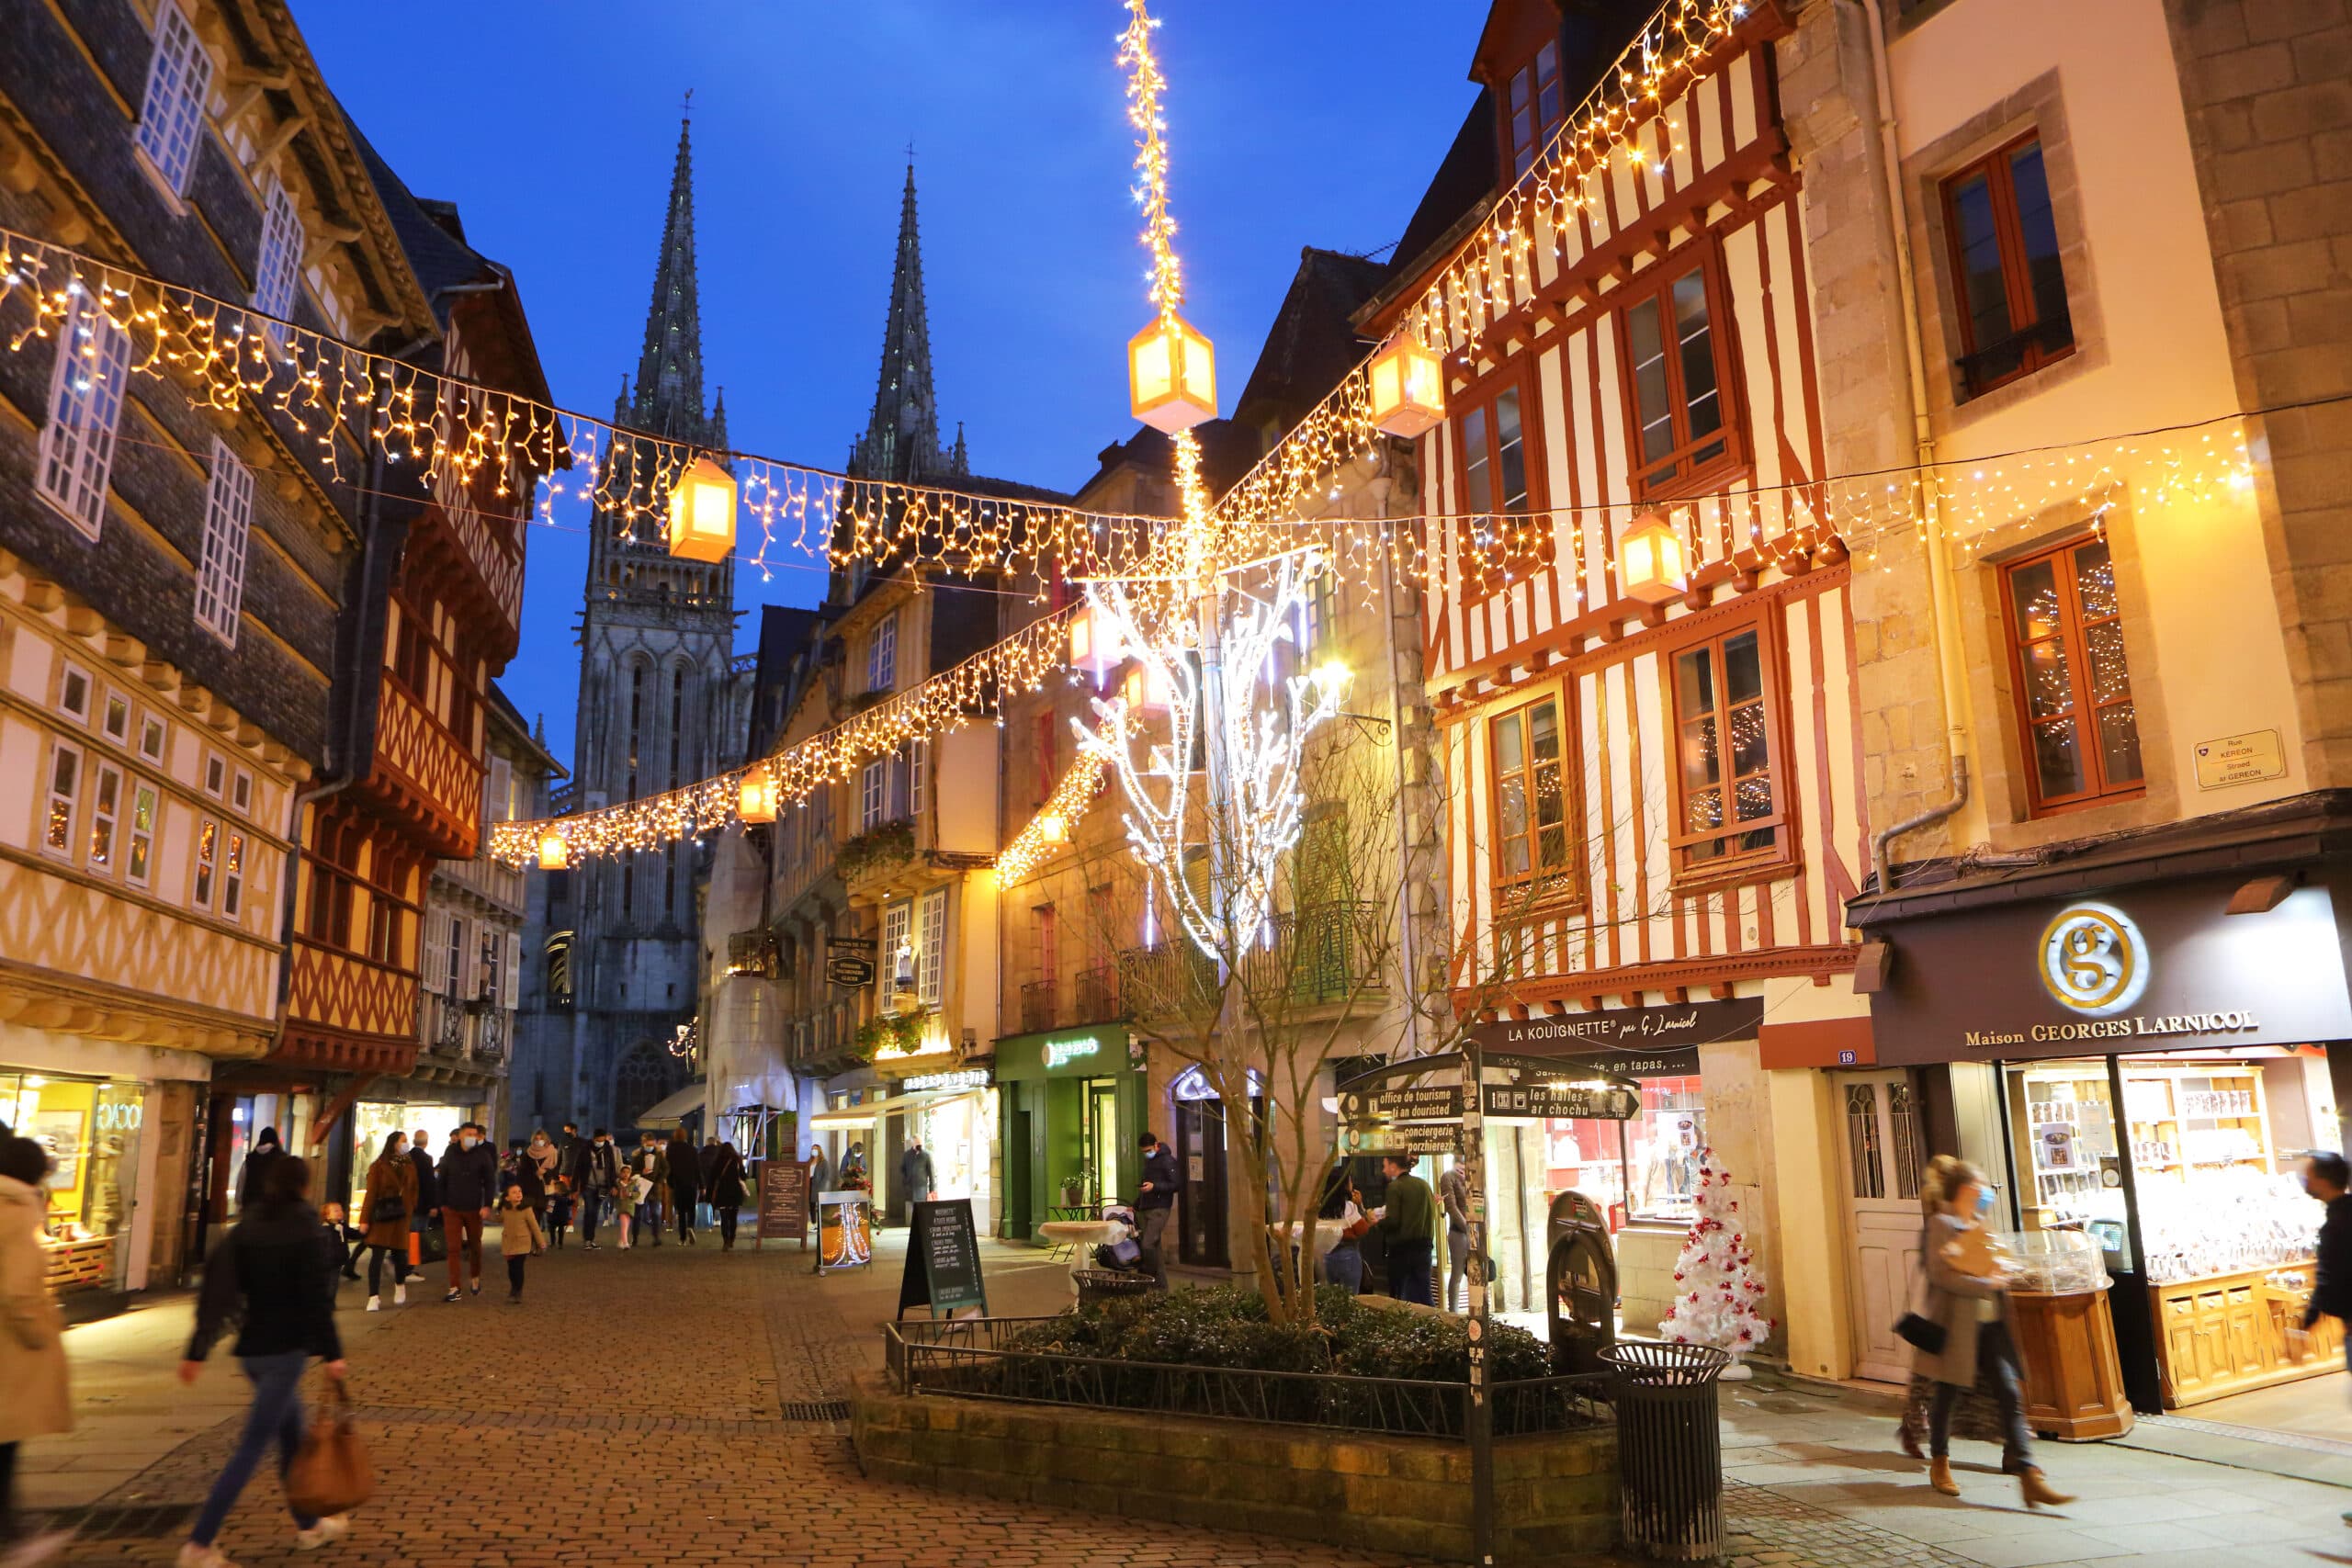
(519, 1235)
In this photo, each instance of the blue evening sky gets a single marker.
(552, 126)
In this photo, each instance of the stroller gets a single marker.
(1124, 1255)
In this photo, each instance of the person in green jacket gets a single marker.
(1408, 1223)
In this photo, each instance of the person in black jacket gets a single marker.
(602, 1175)
(723, 1181)
(1154, 1202)
(2326, 1176)
(426, 1218)
(468, 1174)
(275, 1276)
(255, 1174)
(686, 1181)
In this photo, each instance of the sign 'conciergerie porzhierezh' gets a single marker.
(2161, 968)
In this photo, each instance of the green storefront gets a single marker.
(1070, 1108)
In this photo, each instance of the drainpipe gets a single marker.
(1940, 588)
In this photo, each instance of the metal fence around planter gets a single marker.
(974, 1359)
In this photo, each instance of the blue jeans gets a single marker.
(1343, 1266)
(1409, 1270)
(276, 1415)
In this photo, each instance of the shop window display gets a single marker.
(1646, 1169)
(90, 1129)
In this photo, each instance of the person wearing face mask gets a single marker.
(599, 1172)
(425, 1217)
(385, 1210)
(468, 1176)
(650, 1165)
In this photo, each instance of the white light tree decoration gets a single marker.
(1224, 679)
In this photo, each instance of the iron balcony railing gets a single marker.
(977, 1358)
(1037, 1011)
(1097, 993)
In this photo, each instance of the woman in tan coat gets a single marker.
(1967, 1298)
(385, 1210)
(32, 1335)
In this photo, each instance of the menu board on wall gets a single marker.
(783, 1203)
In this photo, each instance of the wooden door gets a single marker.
(1879, 1158)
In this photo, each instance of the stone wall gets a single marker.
(1556, 1495)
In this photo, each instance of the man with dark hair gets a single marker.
(600, 1174)
(426, 1218)
(1154, 1203)
(468, 1176)
(2327, 1177)
(1408, 1223)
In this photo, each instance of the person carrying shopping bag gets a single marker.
(1964, 1319)
(390, 1202)
(273, 1278)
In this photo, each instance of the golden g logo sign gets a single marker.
(2094, 959)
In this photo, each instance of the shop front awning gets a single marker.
(672, 1110)
(862, 1118)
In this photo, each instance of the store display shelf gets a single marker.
(2227, 1334)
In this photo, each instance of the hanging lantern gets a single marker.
(554, 853)
(762, 795)
(1408, 387)
(1650, 563)
(1171, 375)
(702, 511)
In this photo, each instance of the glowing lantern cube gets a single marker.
(760, 794)
(1171, 375)
(1651, 565)
(554, 853)
(1408, 385)
(702, 513)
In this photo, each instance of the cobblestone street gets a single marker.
(672, 1406)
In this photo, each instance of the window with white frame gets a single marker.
(85, 408)
(207, 861)
(117, 724)
(65, 795)
(106, 812)
(171, 117)
(874, 794)
(882, 654)
(241, 792)
(215, 774)
(151, 734)
(930, 955)
(139, 855)
(453, 967)
(278, 266)
(918, 764)
(898, 960)
(228, 524)
(232, 875)
(74, 692)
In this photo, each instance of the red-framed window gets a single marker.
(1532, 801)
(1730, 791)
(1498, 473)
(1676, 343)
(2075, 716)
(1532, 108)
(2006, 277)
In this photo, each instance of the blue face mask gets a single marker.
(1983, 1201)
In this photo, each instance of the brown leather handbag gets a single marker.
(331, 1474)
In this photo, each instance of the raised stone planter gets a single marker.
(1555, 1496)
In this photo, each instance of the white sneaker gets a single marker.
(400, 1295)
(333, 1527)
(375, 1304)
(194, 1556)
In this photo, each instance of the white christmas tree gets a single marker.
(1718, 1291)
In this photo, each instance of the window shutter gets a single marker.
(502, 786)
(506, 989)
(468, 959)
(435, 961)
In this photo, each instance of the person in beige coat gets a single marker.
(33, 1340)
(1967, 1298)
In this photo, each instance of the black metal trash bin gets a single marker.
(1670, 1451)
(1096, 1286)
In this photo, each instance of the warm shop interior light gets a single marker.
(702, 513)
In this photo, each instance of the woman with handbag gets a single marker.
(1963, 1320)
(273, 1278)
(391, 1198)
(1343, 1265)
(724, 1173)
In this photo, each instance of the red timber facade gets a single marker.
(451, 621)
(1655, 811)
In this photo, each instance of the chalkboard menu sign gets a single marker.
(943, 1261)
(783, 1203)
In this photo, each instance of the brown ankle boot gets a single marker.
(2037, 1491)
(1940, 1477)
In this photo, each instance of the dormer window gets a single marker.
(1532, 109)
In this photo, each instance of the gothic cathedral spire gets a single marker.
(901, 439)
(668, 399)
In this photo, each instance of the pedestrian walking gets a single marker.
(723, 1173)
(2327, 1177)
(519, 1235)
(1343, 1265)
(634, 1190)
(1966, 1299)
(32, 1342)
(708, 1153)
(558, 1209)
(1407, 1223)
(572, 1156)
(271, 1277)
(1453, 1193)
(852, 1175)
(685, 1182)
(545, 1157)
(468, 1176)
(518, 1165)
(817, 1168)
(1154, 1202)
(264, 1152)
(600, 1179)
(918, 1178)
(388, 1203)
(424, 1220)
(350, 1241)
(652, 1171)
